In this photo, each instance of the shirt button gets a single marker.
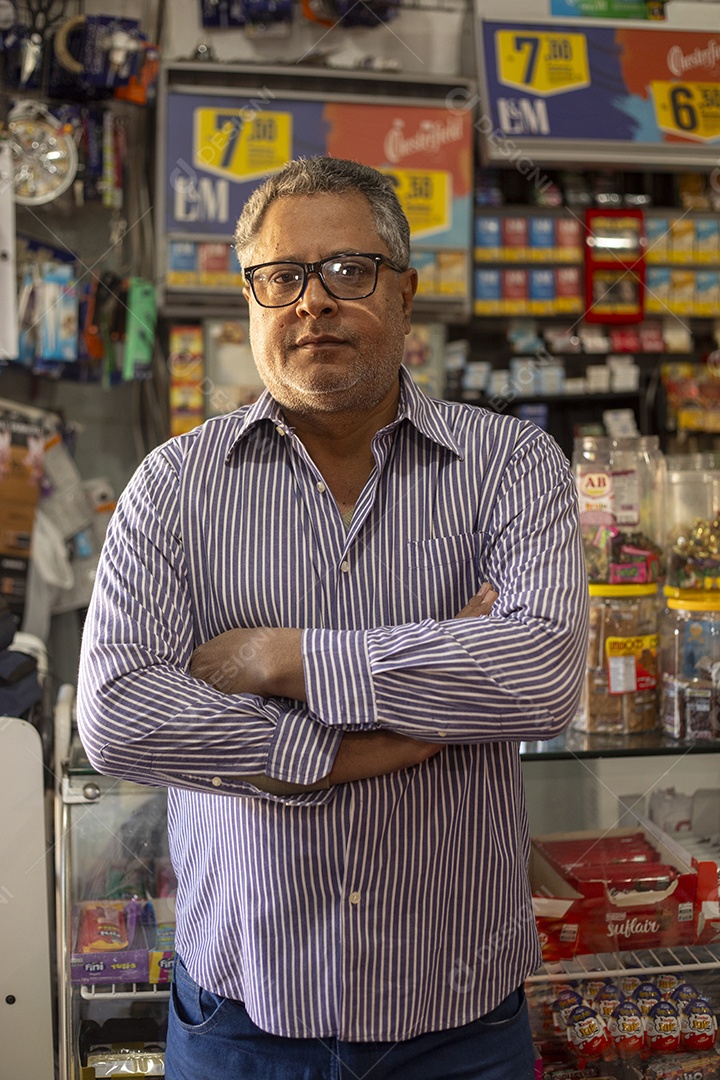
(354, 897)
(345, 567)
(216, 781)
(320, 486)
(280, 431)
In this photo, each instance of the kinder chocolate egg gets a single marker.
(626, 1028)
(646, 995)
(607, 1000)
(667, 982)
(698, 1026)
(592, 987)
(662, 1028)
(682, 994)
(564, 1003)
(628, 984)
(587, 1033)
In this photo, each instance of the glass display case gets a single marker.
(116, 888)
(116, 916)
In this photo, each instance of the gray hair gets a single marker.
(329, 175)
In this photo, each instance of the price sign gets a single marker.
(543, 63)
(426, 197)
(241, 144)
(691, 110)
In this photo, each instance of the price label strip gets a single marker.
(691, 110)
(426, 197)
(241, 144)
(543, 64)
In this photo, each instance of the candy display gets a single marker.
(645, 1037)
(128, 941)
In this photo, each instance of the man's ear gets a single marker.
(408, 289)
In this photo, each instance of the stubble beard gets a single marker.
(358, 386)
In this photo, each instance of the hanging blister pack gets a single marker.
(58, 312)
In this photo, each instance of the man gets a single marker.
(290, 631)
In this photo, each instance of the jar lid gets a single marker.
(675, 593)
(623, 590)
(687, 600)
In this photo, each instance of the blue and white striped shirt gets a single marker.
(385, 908)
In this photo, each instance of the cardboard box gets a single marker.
(586, 918)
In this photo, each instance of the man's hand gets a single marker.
(479, 604)
(363, 754)
(264, 660)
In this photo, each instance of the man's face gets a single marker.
(321, 355)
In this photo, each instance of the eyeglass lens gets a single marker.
(346, 278)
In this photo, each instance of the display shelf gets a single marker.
(580, 744)
(685, 958)
(123, 992)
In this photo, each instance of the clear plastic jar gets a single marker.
(591, 467)
(638, 471)
(620, 694)
(621, 491)
(692, 535)
(690, 665)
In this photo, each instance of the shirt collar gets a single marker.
(415, 406)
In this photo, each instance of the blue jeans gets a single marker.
(213, 1038)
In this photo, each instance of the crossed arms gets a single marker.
(267, 661)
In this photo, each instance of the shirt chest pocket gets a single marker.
(443, 573)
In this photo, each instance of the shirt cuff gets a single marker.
(301, 750)
(338, 678)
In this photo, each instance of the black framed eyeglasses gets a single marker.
(344, 277)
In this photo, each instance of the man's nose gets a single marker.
(315, 299)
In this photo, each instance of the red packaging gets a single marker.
(515, 290)
(632, 877)
(514, 237)
(588, 916)
(102, 928)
